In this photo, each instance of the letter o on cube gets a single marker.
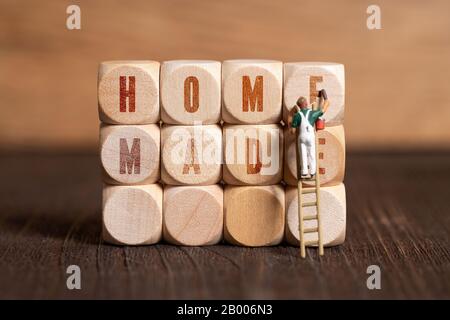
(190, 91)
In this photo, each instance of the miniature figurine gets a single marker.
(303, 121)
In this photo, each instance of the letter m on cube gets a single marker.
(130, 159)
(252, 97)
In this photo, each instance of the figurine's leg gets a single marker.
(312, 158)
(304, 159)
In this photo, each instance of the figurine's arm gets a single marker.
(324, 103)
(325, 106)
(293, 119)
(316, 114)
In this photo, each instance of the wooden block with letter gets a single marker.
(252, 91)
(191, 155)
(331, 160)
(307, 79)
(254, 215)
(332, 215)
(193, 215)
(253, 155)
(130, 154)
(190, 92)
(132, 215)
(128, 92)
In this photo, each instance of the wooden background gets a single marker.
(397, 77)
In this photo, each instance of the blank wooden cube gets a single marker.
(331, 160)
(130, 154)
(191, 155)
(193, 215)
(190, 92)
(253, 155)
(132, 215)
(332, 213)
(307, 79)
(128, 92)
(252, 91)
(254, 215)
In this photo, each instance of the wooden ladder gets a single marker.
(301, 204)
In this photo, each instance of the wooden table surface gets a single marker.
(398, 218)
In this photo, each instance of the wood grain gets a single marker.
(191, 92)
(193, 215)
(50, 218)
(254, 215)
(332, 214)
(132, 215)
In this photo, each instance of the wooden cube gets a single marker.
(190, 92)
(307, 78)
(130, 154)
(128, 92)
(251, 91)
(193, 215)
(254, 215)
(132, 215)
(253, 155)
(331, 160)
(332, 213)
(191, 155)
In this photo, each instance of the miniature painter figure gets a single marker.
(306, 121)
(303, 121)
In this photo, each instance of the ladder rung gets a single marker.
(313, 242)
(309, 204)
(310, 218)
(310, 230)
(309, 190)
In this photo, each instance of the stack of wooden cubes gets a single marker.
(306, 79)
(214, 167)
(254, 199)
(191, 156)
